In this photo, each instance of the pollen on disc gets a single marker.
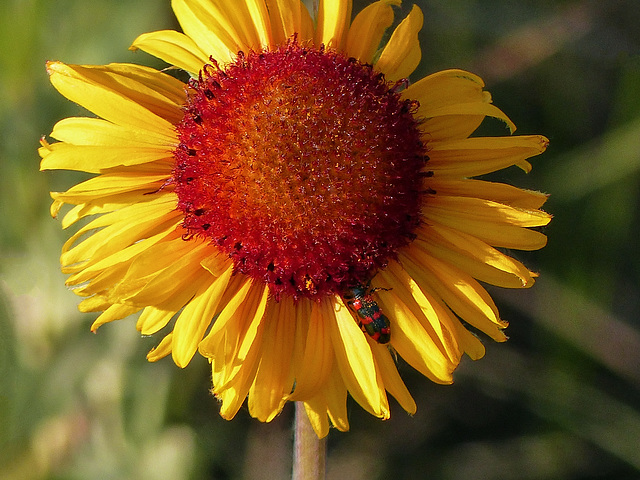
(301, 164)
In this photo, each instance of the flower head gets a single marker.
(295, 206)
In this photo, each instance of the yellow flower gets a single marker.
(256, 203)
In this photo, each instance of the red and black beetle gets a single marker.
(371, 319)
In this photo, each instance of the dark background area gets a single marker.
(560, 400)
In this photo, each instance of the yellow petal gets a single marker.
(289, 17)
(233, 309)
(179, 279)
(316, 410)
(333, 23)
(355, 361)
(98, 281)
(488, 211)
(157, 255)
(416, 341)
(505, 236)
(449, 127)
(110, 269)
(473, 256)
(209, 28)
(233, 395)
(153, 319)
(368, 28)
(96, 303)
(174, 48)
(117, 235)
(260, 19)
(96, 159)
(464, 295)
(475, 156)
(234, 367)
(453, 103)
(476, 109)
(235, 341)
(335, 394)
(221, 28)
(459, 291)
(124, 227)
(111, 203)
(216, 263)
(496, 224)
(106, 185)
(435, 320)
(445, 88)
(274, 378)
(329, 401)
(114, 312)
(391, 378)
(471, 344)
(156, 316)
(497, 192)
(124, 94)
(402, 54)
(95, 131)
(196, 317)
(162, 350)
(314, 364)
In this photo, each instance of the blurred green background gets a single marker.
(560, 400)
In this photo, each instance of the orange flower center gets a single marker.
(303, 165)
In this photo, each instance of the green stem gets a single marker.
(309, 452)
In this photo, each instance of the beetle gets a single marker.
(371, 319)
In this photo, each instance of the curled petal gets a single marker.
(402, 54)
(368, 28)
(173, 47)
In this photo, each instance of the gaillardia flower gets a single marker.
(298, 211)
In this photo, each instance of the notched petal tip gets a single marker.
(54, 66)
(540, 143)
(44, 151)
(544, 142)
(56, 205)
(162, 350)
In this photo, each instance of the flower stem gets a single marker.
(309, 451)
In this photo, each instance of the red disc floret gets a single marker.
(301, 164)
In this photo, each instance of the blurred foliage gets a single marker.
(560, 400)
